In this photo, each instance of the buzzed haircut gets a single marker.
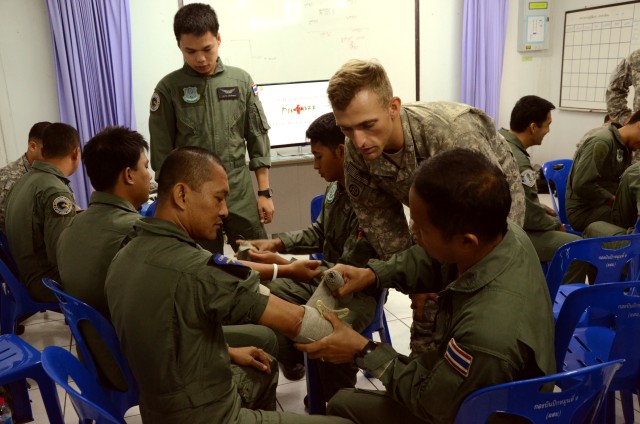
(465, 193)
(196, 19)
(36, 131)
(634, 118)
(59, 140)
(109, 152)
(187, 165)
(324, 131)
(357, 75)
(528, 110)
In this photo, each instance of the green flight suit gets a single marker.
(223, 114)
(85, 251)
(542, 228)
(39, 206)
(594, 177)
(497, 313)
(337, 234)
(625, 207)
(168, 298)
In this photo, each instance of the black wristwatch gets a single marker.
(266, 193)
(367, 349)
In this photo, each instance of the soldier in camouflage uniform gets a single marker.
(495, 322)
(39, 206)
(596, 171)
(11, 173)
(337, 234)
(626, 74)
(386, 141)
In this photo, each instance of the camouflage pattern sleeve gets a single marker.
(9, 175)
(381, 215)
(617, 92)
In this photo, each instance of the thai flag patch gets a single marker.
(458, 358)
(255, 89)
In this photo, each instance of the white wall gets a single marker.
(27, 72)
(28, 89)
(539, 73)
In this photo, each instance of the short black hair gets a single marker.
(59, 140)
(196, 19)
(187, 165)
(109, 152)
(324, 131)
(465, 193)
(36, 131)
(529, 109)
(634, 118)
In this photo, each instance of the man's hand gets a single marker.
(267, 258)
(266, 245)
(355, 279)
(610, 201)
(250, 356)
(418, 302)
(301, 270)
(562, 228)
(265, 209)
(339, 347)
(550, 211)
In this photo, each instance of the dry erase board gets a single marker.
(300, 40)
(595, 40)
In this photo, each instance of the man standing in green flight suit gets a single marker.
(216, 107)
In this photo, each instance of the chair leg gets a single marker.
(385, 336)
(626, 398)
(21, 402)
(315, 397)
(50, 398)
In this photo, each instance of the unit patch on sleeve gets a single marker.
(458, 358)
(62, 205)
(229, 265)
(155, 102)
(528, 177)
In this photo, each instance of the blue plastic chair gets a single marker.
(19, 361)
(578, 402)
(148, 209)
(610, 263)
(89, 399)
(15, 300)
(316, 208)
(614, 338)
(378, 325)
(76, 311)
(558, 172)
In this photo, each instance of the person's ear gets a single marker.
(394, 107)
(128, 175)
(340, 151)
(180, 195)
(470, 240)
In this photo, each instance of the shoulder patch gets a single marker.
(332, 194)
(620, 156)
(528, 177)
(229, 265)
(62, 205)
(155, 102)
(255, 89)
(458, 358)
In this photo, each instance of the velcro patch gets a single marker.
(228, 93)
(458, 358)
(528, 177)
(62, 205)
(229, 265)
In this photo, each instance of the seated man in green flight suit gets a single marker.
(495, 322)
(118, 168)
(338, 235)
(168, 298)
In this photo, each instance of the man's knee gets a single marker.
(340, 403)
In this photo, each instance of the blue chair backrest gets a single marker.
(75, 311)
(558, 172)
(89, 400)
(621, 303)
(609, 261)
(15, 300)
(148, 209)
(316, 208)
(578, 402)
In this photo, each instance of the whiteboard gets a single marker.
(280, 41)
(595, 40)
